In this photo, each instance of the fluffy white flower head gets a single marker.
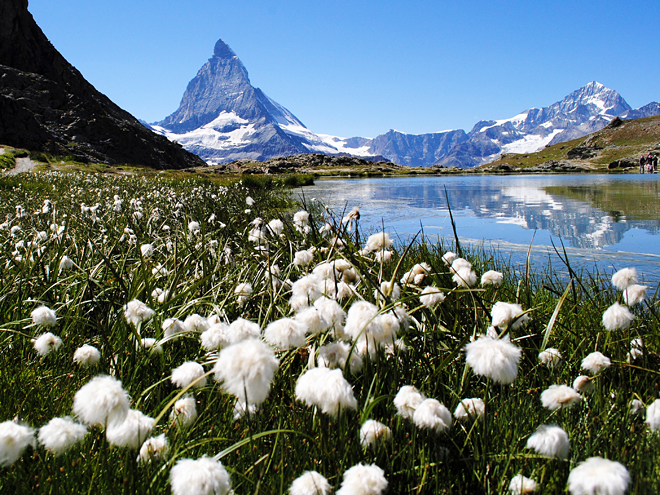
(247, 367)
(407, 399)
(326, 389)
(634, 294)
(44, 316)
(550, 441)
(551, 357)
(504, 314)
(14, 439)
(60, 434)
(617, 317)
(431, 296)
(363, 480)
(433, 415)
(494, 358)
(184, 412)
(101, 400)
(598, 476)
(87, 356)
(624, 278)
(520, 485)
(203, 476)
(560, 396)
(470, 408)
(136, 312)
(372, 431)
(154, 449)
(46, 343)
(596, 362)
(378, 242)
(310, 483)
(653, 416)
(187, 373)
(285, 334)
(134, 430)
(491, 277)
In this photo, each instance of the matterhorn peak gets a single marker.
(222, 50)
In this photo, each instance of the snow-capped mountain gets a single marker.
(582, 112)
(222, 117)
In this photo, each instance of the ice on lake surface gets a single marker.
(609, 221)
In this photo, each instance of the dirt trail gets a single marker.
(22, 165)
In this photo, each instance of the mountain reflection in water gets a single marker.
(598, 215)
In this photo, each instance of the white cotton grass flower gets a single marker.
(154, 449)
(331, 312)
(624, 278)
(416, 274)
(634, 294)
(66, 263)
(496, 359)
(583, 384)
(14, 439)
(470, 408)
(378, 242)
(637, 407)
(46, 343)
(303, 258)
(551, 357)
(596, 362)
(188, 373)
(243, 291)
(505, 314)
(131, 432)
(300, 221)
(136, 312)
(160, 295)
(406, 401)
(203, 476)
(216, 337)
(432, 414)
(310, 483)
(193, 227)
(312, 319)
(334, 355)
(520, 485)
(44, 316)
(147, 250)
(383, 256)
(369, 329)
(431, 296)
(363, 480)
(243, 329)
(449, 257)
(195, 323)
(463, 276)
(173, 326)
(285, 334)
(388, 289)
(492, 277)
(276, 226)
(636, 349)
(326, 389)
(87, 356)
(598, 476)
(559, 397)
(184, 412)
(550, 441)
(653, 415)
(60, 434)
(617, 317)
(306, 289)
(102, 401)
(246, 370)
(373, 431)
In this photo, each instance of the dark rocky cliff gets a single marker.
(47, 105)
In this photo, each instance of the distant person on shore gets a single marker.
(655, 163)
(642, 164)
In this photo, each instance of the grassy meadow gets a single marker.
(206, 241)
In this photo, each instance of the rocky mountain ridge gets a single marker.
(47, 105)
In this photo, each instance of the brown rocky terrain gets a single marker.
(47, 105)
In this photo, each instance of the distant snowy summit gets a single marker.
(222, 118)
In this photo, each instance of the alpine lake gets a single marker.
(600, 222)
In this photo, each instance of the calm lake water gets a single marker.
(609, 221)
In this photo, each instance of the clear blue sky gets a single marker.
(360, 68)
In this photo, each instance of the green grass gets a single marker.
(267, 450)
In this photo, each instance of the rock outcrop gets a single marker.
(47, 105)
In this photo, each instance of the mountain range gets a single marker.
(223, 118)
